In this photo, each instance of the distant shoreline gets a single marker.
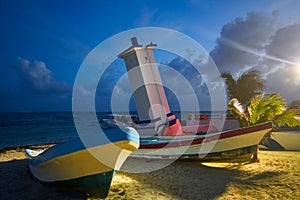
(30, 146)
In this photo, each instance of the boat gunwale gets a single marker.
(204, 138)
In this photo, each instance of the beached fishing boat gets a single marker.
(89, 168)
(231, 144)
(237, 145)
(284, 140)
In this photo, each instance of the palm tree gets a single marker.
(245, 87)
(263, 108)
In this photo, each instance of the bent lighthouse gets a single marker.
(148, 91)
(168, 139)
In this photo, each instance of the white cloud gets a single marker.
(38, 78)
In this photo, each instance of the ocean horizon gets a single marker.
(33, 128)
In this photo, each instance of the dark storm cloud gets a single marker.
(189, 72)
(110, 77)
(259, 42)
(37, 78)
(242, 40)
(197, 87)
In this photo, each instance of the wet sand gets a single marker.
(276, 176)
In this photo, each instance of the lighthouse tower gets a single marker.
(149, 95)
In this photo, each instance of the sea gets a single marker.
(32, 128)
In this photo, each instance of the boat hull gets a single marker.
(97, 185)
(88, 169)
(233, 145)
(82, 163)
(288, 140)
(236, 155)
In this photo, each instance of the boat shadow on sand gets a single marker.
(17, 183)
(180, 180)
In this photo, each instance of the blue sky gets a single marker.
(43, 43)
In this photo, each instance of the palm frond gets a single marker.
(273, 105)
(263, 108)
(230, 83)
(256, 109)
(287, 118)
(245, 87)
(236, 109)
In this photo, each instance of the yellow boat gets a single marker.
(89, 168)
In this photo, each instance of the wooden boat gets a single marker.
(285, 140)
(235, 145)
(86, 168)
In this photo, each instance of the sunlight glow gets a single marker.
(256, 52)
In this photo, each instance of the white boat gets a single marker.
(288, 140)
(231, 144)
(236, 145)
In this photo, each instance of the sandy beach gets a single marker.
(276, 176)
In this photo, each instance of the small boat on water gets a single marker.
(86, 168)
(119, 120)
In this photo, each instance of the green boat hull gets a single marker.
(97, 185)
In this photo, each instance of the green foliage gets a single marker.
(263, 108)
(234, 108)
(245, 87)
(258, 107)
(287, 118)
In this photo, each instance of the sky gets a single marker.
(43, 44)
